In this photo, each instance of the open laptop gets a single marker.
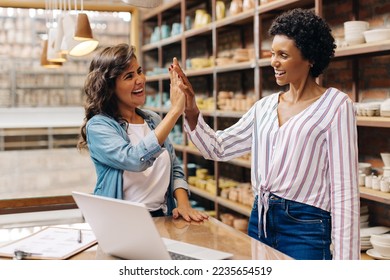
(126, 230)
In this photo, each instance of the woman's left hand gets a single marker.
(189, 214)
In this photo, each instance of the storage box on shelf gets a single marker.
(233, 51)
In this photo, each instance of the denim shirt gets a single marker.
(112, 153)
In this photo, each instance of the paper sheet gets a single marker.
(51, 243)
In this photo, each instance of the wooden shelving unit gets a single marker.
(251, 74)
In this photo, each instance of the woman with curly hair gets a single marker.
(303, 143)
(133, 156)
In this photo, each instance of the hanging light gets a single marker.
(44, 62)
(83, 35)
(83, 47)
(143, 3)
(52, 54)
(83, 28)
(76, 47)
(49, 23)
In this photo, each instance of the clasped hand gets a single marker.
(179, 85)
(176, 91)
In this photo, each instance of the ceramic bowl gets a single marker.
(386, 158)
(382, 248)
(381, 238)
(365, 167)
(377, 35)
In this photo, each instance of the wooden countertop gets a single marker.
(212, 234)
(41, 117)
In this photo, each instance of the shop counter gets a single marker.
(211, 233)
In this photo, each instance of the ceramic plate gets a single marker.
(364, 218)
(365, 243)
(364, 225)
(364, 232)
(374, 254)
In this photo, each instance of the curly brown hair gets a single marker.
(311, 34)
(99, 86)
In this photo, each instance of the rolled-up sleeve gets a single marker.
(108, 146)
(345, 200)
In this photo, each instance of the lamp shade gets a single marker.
(81, 48)
(143, 3)
(44, 62)
(52, 54)
(60, 36)
(83, 29)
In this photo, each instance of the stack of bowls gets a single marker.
(354, 31)
(386, 161)
(381, 244)
(385, 108)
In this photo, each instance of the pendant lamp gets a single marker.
(77, 47)
(44, 62)
(143, 3)
(52, 54)
(83, 33)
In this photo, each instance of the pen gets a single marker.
(80, 236)
(20, 255)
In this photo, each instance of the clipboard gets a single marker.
(51, 243)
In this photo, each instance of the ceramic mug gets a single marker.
(362, 179)
(375, 183)
(368, 182)
(385, 185)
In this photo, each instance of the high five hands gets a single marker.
(191, 109)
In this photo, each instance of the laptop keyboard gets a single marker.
(176, 256)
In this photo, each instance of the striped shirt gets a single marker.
(312, 159)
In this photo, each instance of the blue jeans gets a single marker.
(301, 231)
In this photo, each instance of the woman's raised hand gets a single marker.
(177, 96)
(186, 87)
(191, 109)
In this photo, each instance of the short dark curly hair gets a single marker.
(311, 34)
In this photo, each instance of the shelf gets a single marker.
(155, 78)
(204, 30)
(373, 121)
(202, 193)
(229, 114)
(178, 147)
(367, 48)
(264, 62)
(285, 4)
(154, 12)
(251, 26)
(236, 66)
(374, 195)
(242, 17)
(241, 162)
(162, 42)
(41, 87)
(238, 207)
(192, 150)
(199, 72)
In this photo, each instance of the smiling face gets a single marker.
(130, 87)
(289, 65)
